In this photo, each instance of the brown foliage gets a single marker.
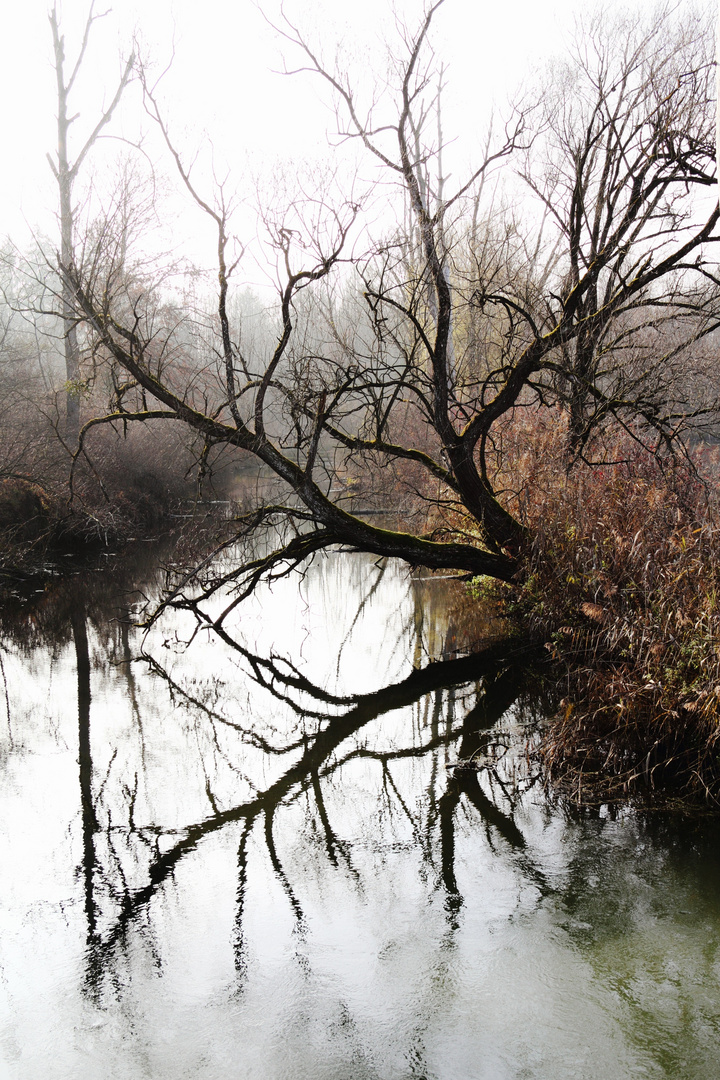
(624, 583)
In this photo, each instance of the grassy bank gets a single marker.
(52, 511)
(623, 584)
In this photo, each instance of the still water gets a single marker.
(248, 855)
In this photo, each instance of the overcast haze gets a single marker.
(222, 84)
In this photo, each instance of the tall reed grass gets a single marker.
(623, 582)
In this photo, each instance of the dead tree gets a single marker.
(65, 170)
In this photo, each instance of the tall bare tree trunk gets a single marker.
(65, 174)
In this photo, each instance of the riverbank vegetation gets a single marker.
(521, 365)
(54, 507)
(622, 587)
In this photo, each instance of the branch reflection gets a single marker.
(317, 758)
(276, 753)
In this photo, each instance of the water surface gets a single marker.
(248, 855)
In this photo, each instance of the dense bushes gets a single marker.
(623, 582)
(124, 483)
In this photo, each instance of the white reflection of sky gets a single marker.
(613, 973)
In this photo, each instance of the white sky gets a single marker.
(222, 81)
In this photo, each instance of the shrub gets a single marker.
(623, 582)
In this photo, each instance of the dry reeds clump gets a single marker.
(624, 583)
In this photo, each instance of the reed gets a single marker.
(623, 583)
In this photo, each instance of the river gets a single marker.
(251, 856)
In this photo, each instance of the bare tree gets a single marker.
(381, 389)
(625, 149)
(65, 170)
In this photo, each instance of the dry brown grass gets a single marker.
(624, 583)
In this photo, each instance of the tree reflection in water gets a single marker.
(279, 806)
(453, 705)
(313, 759)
